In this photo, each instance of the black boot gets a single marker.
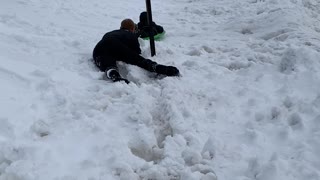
(114, 75)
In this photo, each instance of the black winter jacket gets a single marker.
(123, 36)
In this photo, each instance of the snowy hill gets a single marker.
(247, 106)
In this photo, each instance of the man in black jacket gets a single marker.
(123, 45)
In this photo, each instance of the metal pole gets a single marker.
(151, 35)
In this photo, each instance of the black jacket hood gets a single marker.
(144, 18)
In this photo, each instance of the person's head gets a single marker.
(127, 24)
(144, 17)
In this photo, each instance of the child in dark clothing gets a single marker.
(122, 45)
(144, 29)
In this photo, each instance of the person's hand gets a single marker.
(167, 70)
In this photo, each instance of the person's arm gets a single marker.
(136, 45)
(159, 29)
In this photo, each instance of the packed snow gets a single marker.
(246, 107)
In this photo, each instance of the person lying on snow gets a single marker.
(144, 29)
(123, 45)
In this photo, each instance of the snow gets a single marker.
(247, 106)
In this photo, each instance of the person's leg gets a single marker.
(149, 65)
(109, 66)
(125, 54)
(152, 66)
(105, 63)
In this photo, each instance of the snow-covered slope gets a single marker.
(247, 106)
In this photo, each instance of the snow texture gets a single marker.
(247, 106)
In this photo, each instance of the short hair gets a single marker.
(127, 24)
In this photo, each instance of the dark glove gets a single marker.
(167, 70)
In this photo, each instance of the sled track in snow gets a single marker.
(171, 138)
